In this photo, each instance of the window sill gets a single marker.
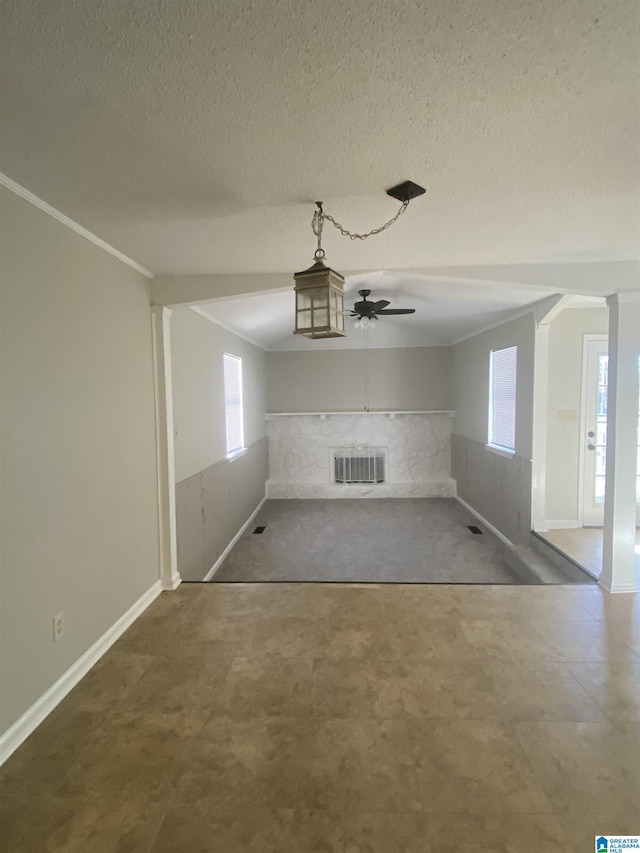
(500, 451)
(236, 454)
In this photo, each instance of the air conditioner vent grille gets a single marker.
(359, 464)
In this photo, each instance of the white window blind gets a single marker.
(502, 398)
(233, 402)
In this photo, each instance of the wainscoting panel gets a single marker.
(497, 487)
(213, 505)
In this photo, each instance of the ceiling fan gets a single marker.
(366, 313)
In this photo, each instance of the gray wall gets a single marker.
(498, 488)
(213, 505)
(79, 521)
(214, 496)
(197, 347)
(409, 379)
(566, 335)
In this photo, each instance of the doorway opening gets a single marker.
(577, 438)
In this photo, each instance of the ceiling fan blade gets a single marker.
(397, 311)
(380, 304)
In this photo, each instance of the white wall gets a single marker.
(79, 525)
(566, 335)
(405, 379)
(417, 449)
(197, 348)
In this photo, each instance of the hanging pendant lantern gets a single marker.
(319, 301)
(320, 290)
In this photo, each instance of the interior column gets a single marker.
(618, 569)
(161, 328)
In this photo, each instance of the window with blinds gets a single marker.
(502, 398)
(233, 403)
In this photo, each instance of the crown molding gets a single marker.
(514, 315)
(25, 194)
(198, 310)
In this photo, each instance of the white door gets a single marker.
(595, 431)
(594, 426)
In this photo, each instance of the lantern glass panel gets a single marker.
(320, 297)
(303, 320)
(304, 299)
(321, 317)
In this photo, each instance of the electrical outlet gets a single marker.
(58, 626)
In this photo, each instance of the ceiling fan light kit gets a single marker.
(369, 323)
(320, 290)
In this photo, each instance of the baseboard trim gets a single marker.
(619, 587)
(484, 521)
(562, 524)
(41, 708)
(214, 568)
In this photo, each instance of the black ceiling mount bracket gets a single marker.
(406, 191)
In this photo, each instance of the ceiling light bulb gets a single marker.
(364, 323)
(373, 322)
(355, 322)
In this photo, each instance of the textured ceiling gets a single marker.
(194, 136)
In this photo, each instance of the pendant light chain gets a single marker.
(319, 217)
(320, 290)
(316, 226)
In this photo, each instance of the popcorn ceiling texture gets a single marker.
(418, 455)
(195, 136)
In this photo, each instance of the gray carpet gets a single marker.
(410, 540)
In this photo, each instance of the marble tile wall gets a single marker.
(418, 449)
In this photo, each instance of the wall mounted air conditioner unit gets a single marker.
(359, 464)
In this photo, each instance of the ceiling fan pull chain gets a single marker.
(351, 235)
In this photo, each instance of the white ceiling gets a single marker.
(445, 312)
(195, 136)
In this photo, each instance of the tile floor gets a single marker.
(286, 718)
(584, 545)
(406, 540)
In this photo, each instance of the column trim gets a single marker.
(618, 541)
(540, 415)
(161, 334)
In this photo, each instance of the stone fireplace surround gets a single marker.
(417, 445)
